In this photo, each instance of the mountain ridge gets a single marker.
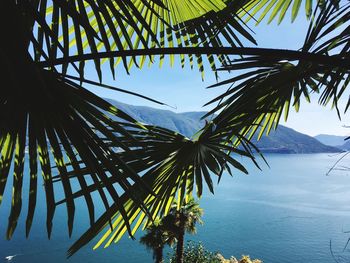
(282, 140)
(331, 140)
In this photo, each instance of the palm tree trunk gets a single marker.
(180, 246)
(159, 255)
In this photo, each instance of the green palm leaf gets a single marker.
(174, 167)
(273, 82)
(55, 120)
(277, 9)
(64, 29)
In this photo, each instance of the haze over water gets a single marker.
(289, 213)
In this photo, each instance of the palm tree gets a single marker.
(156, 238)
(181, 219)
(44, 106)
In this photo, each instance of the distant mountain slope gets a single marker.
(345, 146)
(287, 140)
(185, 123)
(331, 140)
(283, 140)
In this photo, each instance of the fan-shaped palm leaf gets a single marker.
(172, 166)
(63, 29)
(56, 120)
(273, 81)
(53, 113)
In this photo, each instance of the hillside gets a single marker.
(331, 140)
(185, 123)
(334, 140)
(283, 140)
(287, 140)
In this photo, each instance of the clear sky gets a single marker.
(184, 89)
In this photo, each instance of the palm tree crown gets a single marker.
(187, 215)
(156, 238)
(182, 219)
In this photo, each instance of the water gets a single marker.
(289, 213)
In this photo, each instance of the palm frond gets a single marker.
(271, 82)
(278, 9)
(174, 167)
(62, 29)
(55, 120)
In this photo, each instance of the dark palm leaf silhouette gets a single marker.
(56, 119)
(174, 167)
(91, 27)
(173, 164)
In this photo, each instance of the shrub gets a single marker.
(196, 253)
(244, 259)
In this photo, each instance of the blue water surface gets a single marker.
(290, 212)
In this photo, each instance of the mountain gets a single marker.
(345, 146)
(283, 140)
(287, 140)
(334, 140)
(331, 140)
(185, 123)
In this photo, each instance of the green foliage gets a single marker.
(261, 9)
(182, 219)
(63, 126)
(196, 253)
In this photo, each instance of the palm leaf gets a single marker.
(56, 120)
(273, 82)
(277, 9)
(174, 167)
(63, 29)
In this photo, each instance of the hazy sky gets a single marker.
(184, 90)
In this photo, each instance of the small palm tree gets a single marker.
(156, 238)
(181, 220)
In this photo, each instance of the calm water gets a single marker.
(290, 212)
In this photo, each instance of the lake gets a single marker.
(290, 212)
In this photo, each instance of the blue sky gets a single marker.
(184, 89)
